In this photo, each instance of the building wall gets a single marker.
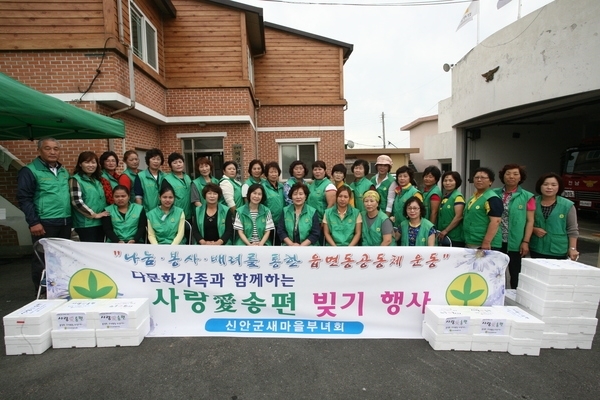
(418, 136)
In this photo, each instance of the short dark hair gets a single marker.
(88, 156)
(364, 163)
(488, 171)
(212, 187)
(104, 156)
(296, 163)
(521, 169)
(455, 175)
(153, 153)
(540, 182)
(299, 186)
(175, 157)
(253, 188)
(228, 163)
(408, 170)
(433, 170)
(272, 164)
(339, 168)
(121, 187)
(253, 163)
(411, 200)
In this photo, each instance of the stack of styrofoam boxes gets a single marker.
(565, 295)
(122, 322)
(466, 328)
(74, 325)
(27, 330)
(526, 331)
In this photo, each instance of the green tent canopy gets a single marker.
(26, 113)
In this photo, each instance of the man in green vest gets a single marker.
(43, 196)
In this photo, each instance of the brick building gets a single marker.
(200, 77)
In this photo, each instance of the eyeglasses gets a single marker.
(413, 208)
(480, 178)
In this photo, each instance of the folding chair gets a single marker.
(188, 232)
(445, 242)
(38, 250)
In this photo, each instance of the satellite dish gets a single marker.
(350, 144)
(447, 67)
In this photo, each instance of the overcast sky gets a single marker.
(396, 65)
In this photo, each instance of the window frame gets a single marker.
(297, 143)
(144, 25)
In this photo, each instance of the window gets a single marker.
(290, 152)
(250, 66)
(143, 38)
(209, 147)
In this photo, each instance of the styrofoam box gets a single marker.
(27, 344)
(545, 291)
(70, 338)
(583, 309)
(123, 337)
(523, 324)
(121, 313)
(548, 271)
(590, 294)
(31, 319)
(510, 294)
(555, 340)
(545, 308)
(76, 314)
(458, 342)
(581, 340)
(586, 274)
(583, 325)
(489, 315)
(484, 342)
(557, 324)
(437, 316)
(524, 347)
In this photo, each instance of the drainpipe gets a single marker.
(120, 16)
(256, 153)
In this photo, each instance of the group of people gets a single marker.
(152, 206)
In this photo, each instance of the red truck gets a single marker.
(581, 175)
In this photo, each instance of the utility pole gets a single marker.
(383, 124)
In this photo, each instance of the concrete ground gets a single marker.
(256, 368)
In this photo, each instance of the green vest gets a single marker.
(341, 230)
(52, 198)
(371, 236)
(360, 187)
(555, 242)
(446, 214)
(200, 182)
(517, 216)
(251, 181)
(427, 199)
(221, 219)
(183, 192)
(383, 189)
(317, 197)
(275, 201)
(165, 230)
(304, 222)
(237, 192)
(93, 196)
(132, 175)
(248, 224)
(111, 179)
(151, 189)
(476, 221)
(422, 236)
(125, 227)
(399, 201)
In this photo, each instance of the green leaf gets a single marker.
(92, 282)
(102, 292)
(457, 294)
(476, 294)
(467, 287)
(83, 291)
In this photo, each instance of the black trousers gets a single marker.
(514, 265)
(91, 234)
(52, 231)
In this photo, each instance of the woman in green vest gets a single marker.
(87, 198)
(383, 180)
(322, 191)
(232, 189)
(555, 229)
(132, 165)
(482, 214)
(338, 178)
(148, 183)
(415, 229)
(256, 170)
(402, 189)
(342, 224)
(204, 170)
(274, 195)
(253, 223)
(299, 224)
(127, 221)
(298, 171)
(213, 221)
(166, 223)
(432, 194)
(109, 161)
(181, 184)
(360, 169)
(516, 223)
(450, 214)
(377, 228)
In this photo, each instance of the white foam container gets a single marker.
(27, 344)
(436, 317)
(557, 324)
(583, 309)
(133, 311)
(545, 291)
(458, 342)
(510, 294)
(552, 340)
(581, 340)
(66, 316)
(523, 324)
(583, 325)
(551, 272)
(545, 308)
(586, 274)
(123, 337)
(32, 319)
(73, 338)
(484, 342)
(524, 347)
(589, 294)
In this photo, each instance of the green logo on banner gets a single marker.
(92, 284)
(468, 289)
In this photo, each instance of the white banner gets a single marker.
(308, 292)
